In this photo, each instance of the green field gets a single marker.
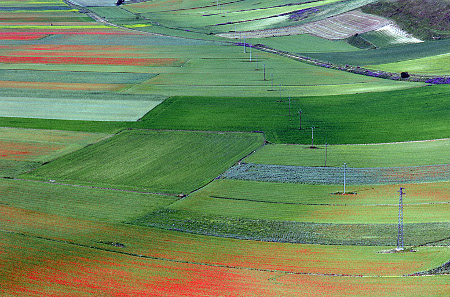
(338, 119)
(24, 149)
(121, 184)
(154, 161)
(78, 202)
(432, 65)
(377, 155)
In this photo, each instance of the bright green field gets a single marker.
(377, 155)
(360, 118)
(156, 161)
(436, 65)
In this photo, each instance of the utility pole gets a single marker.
(264, 72)
(312, 136)
(245, 45)
(400, 220)
(289, 105)
(326, 153)
(256, 62)
(250, 53)
(345, 166)
(299, 119)
(280, 92)
(272, 80)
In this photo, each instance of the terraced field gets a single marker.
(146, 149)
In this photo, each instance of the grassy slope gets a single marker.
(338, 119)
(157, 161)
(386, 55)
(425, 19)
(380, 155)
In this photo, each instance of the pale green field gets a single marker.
(373, 155)
(69, 109)
(436, 65)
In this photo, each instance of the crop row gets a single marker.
(293, 232)
(335, 175)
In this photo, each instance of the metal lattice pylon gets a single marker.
(400, 220)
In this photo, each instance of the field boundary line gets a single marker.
(89, 187)
(323, 204)
(285, 272)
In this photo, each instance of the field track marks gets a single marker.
(283, 272)
(92, 187)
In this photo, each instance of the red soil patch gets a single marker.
(90, 61)
(42, 53)
(24, 151)
(60, 86)
(14, 36)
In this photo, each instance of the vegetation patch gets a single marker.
(293, 232)
(154, 161)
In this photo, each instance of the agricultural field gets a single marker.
(153, 161)
(24, 149)
(372, 155)
(155, 148)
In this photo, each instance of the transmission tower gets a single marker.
(400, 220)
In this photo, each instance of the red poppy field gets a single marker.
(90, 61)
(139, 203)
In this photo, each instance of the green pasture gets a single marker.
(29, 3)
(313, 213)
(322, 195)
(376, 155)
(79, 202)
(69, 109)
(12, 168)
(304, 43)
(155, 161)
(434, 65)
(392, 54)
(360, 118)
(234, 74)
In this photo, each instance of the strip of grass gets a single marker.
(294, 232)
(379, 155)
(292, 194)
(157, 161)
(361, 118)
(78, 202)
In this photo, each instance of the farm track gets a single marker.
(283, 272)
(334, 175)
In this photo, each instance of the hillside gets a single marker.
(425, 19)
